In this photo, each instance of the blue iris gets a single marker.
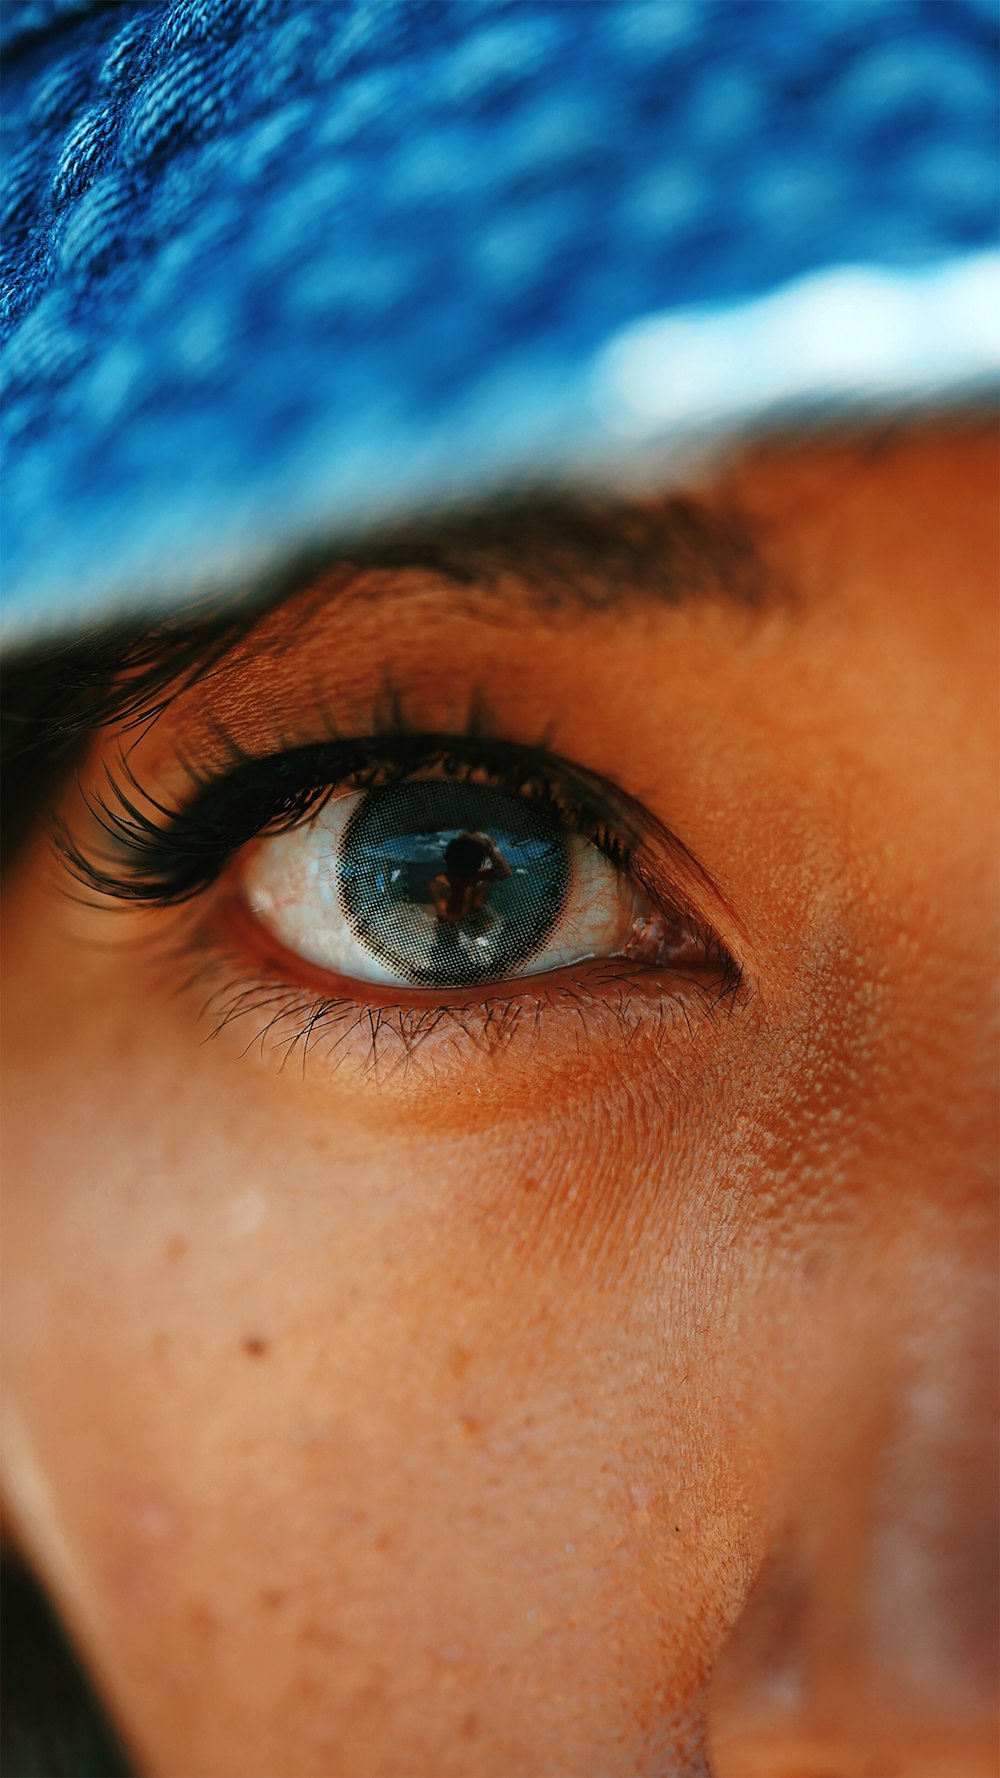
(449, 883)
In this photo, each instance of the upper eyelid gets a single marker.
(549, 556)
(586, 790)
(137, 839)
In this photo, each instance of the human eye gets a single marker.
(430, 879)
(438, 883)
(442, 875)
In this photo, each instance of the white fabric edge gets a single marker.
(838, 337)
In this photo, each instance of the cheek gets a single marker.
(340, 1441)
(339, 1433)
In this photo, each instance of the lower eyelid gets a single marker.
(550, 1040)
(232, 943)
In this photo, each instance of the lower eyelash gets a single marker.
(394, 1036)
(289, 1020)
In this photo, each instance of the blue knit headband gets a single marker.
(279, 270)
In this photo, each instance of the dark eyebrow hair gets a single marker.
(572, 554)
(554, 553)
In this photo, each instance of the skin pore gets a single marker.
(602, 1383)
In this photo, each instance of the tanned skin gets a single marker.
(616, 1393)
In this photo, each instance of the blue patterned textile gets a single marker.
(277, 270)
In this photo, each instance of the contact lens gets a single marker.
(451, 883)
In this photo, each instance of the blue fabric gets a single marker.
(278, 267)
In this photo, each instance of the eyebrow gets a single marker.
(563, 554)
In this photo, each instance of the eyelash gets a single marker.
(166, 862)
(163, 857)
(293, 1019)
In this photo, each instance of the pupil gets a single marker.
(451, 884)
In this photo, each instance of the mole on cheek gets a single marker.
(255, 1346)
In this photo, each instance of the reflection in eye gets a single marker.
(442, 884)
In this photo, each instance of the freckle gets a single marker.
(176, 1248)
(529, 1185)
(458, 1361)
(468, 1728)
(272, 1598)
(383, 1542)
(471, 1427)
(255, 1346)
